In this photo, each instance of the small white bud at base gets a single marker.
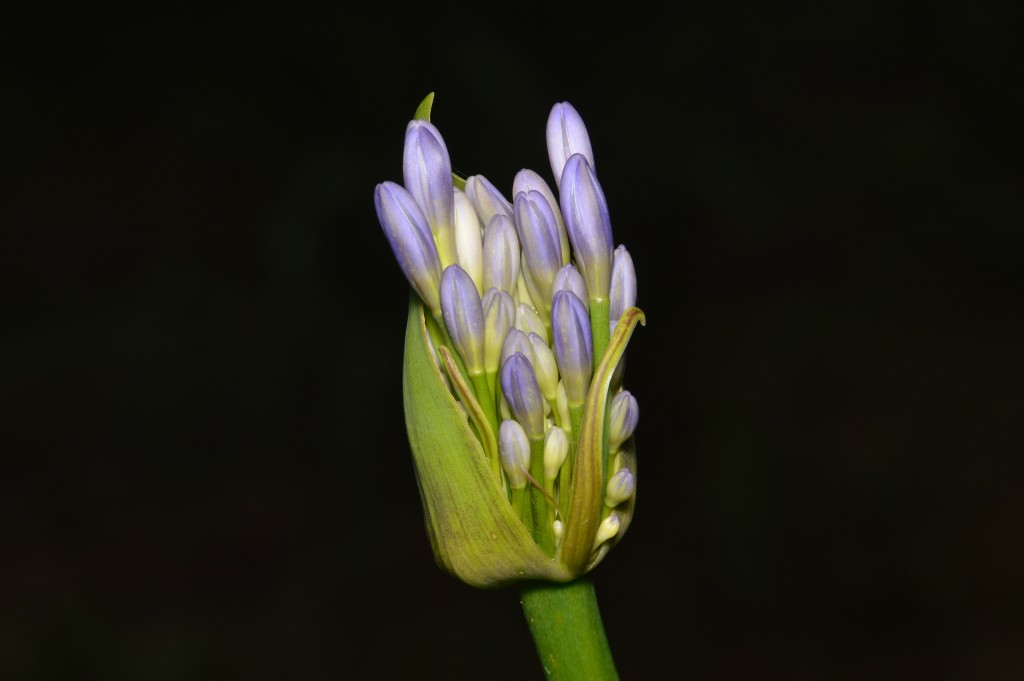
(556, 449)
(609, 528)
(557, 527)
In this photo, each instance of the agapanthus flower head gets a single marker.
(521, 435)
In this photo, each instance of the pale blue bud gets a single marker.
(469, 240)
(514, 447)
(538, 235)
(621, 487)
(574, 347)
(556, 449)
(519, 384)
(529, 321)
(623, 287)
(428, 177)
(566, 136)
(608, 528)
(623, 416)
(499, 316)
(486, 198)
(569, 279)
(411, 241)
(526, 181)
(501, 255)
(589, 225)
(464, 317)
(517, 341)
(545, 366)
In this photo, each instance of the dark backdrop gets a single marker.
(205, 474)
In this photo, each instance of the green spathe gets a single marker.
(475, 532)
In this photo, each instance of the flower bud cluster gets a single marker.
(527, 292)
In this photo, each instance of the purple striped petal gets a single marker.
(526, 181)
(501, 255)
(519, 385)
(566, 136)
(409, 235)
(464, 317)
(428, 177)
(538, 235)
(589, 225)
(569, 279)
(623, 416)
(574, 348)
(486, 198)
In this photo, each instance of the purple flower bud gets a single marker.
(409, 235)
(529, 181)
(569, 279)
(428, 177)
(514, 447)
(589, 225)
(621, 487)
(538, 234)
(623, 416)
(499, 316)
(519, 385)
(517, 341)
(566, 136)
(486, 198)
(574, 347)
(623, 286)
(464, 317)
(501, 255)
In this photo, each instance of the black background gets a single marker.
(205, 474)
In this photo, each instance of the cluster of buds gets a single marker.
(521, 432)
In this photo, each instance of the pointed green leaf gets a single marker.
(423, 110)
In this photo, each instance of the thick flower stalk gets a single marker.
(520, 429)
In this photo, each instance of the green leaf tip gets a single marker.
(423, 110)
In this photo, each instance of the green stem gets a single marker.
(599, 327)
(543, 533)
(566, 626)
